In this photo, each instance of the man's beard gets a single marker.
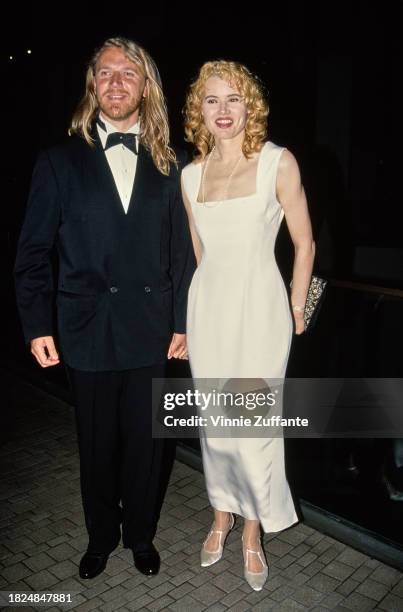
(119, 112)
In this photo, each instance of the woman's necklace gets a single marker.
(225, 192)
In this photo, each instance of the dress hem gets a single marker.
(277, 526)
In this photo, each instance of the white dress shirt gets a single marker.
(121, 160)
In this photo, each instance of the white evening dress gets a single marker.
(239, 325)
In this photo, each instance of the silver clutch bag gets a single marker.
(314, 300)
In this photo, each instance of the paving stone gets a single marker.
(189, 490)
(187, 604)
(182, 577)
(115, 566)
(362, 573)
(227, 582)
(352, 557)
(161, 589)
(391, 603)
(292, 536)
(307, 559)
(290, 606)
(201, 578)
(36, 549)
(300, 550)
(282, 592)
(119, 590)
(16, 572)
(372, 589)
(300, 579)
(162, 603)
(314, 568)
(181, 591)
(170, 535)
(115, 604)
(241, 606)
(232, 598)
(329, 555)
(341, 571)
(139, 604)
(136, 579)
(322, 544)
(276, 581)
(332, 600)
(96, 590)
(225, 564)
(61, 551)
(87, 606)
(323, 583)
(306, 595)
(197, 503)
(42, 535)
(265, 605)
(64, 569)
(285, 561)
(347, 587)
(71, 585)
(372, 563)
(176, 558)
(118, 578)
(279, 548)
(359, 603)
(398, 589)
(291, 571)
(386, 575)
(77, 600)
(18, 544)
(41, 581)
(207, 594)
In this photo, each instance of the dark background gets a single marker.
(333, 72)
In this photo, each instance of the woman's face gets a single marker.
(223, 108)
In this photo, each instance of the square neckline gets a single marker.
(251, 195)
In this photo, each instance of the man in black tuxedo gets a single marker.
(109, 200)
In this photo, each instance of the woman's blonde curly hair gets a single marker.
(252, 93)
(154, 129)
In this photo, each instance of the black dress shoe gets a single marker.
(92, 565)
(147, 560)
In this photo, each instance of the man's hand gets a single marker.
(178, 347)
(44, 351)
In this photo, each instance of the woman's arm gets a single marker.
(291, 196)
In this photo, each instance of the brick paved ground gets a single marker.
(43, 538)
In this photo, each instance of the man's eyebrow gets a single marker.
(127, 67)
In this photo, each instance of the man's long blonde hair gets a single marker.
(154, 128)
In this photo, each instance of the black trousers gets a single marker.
(120, 462)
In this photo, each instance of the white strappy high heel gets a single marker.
(210, 557)
(255, 579)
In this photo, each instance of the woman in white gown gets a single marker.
(239, 326)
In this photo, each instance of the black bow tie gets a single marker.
(128, 139)
(124, 138)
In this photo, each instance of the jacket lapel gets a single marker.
(146, 180)
(105, 177)
(148, 183)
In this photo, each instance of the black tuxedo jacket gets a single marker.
(122, 278)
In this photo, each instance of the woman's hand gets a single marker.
(299, 322)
